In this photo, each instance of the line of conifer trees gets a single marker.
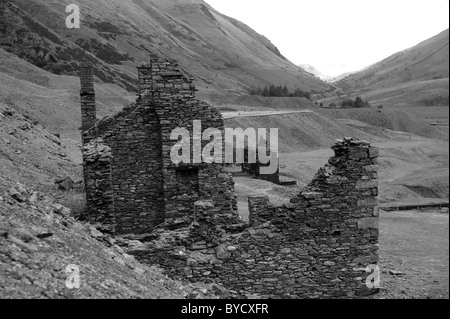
(280, 91)
(349, 103)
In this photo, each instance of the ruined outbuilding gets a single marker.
(255, 169)
(322, 244)
(131, 183)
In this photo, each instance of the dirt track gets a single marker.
(230, 115)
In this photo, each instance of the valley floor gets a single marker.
(415, 244)
(407, 170)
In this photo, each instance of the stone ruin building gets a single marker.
(131, 183)
(319, 245)
(254, 169)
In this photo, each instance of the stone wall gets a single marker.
(98, 158)
(318, 246)
(146, 188)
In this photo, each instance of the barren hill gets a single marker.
(52, 100)
(223, 54)
(426, 61)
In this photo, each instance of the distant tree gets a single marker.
(348, 103)
(280, 91)
(359, 103)
(272, 90)
(307, 95)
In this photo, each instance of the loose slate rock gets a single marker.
(95, 233)
(19, 193)
(65, 183)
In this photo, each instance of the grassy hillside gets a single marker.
(224, 55)
(52, 100)
(426, 61)
(394, 119)
(417, 76)
(418, 93)
(318, 129)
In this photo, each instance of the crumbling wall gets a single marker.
(145, 187)
(135, 176)
(171, 92)
(97, 156)
(317, 246)
(137, 172)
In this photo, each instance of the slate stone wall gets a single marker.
(146, 187)
(97, 160)
(171, 92)
(318, 246)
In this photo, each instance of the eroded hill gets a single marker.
(223, 54)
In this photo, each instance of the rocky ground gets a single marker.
(42, 248)
(39, 237)
(39, 241)
(414, 254)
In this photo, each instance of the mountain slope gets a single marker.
(39, 237)
(223, 54)
(426, 61)
(52, 100)
(314, 71)
(319, 74)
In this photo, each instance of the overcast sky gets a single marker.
(338, 36)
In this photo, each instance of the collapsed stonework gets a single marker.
(318, 246)
(131, 183)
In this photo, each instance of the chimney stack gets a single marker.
(87, 95)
